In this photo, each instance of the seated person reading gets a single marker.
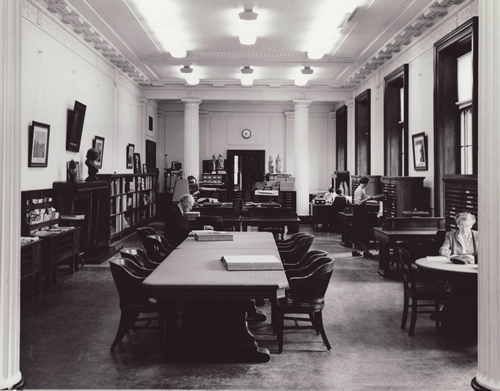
(461, 246)
(329, 196)
(176, 223)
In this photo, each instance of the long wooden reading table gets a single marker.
(213, 300)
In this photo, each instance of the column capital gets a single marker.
(191, 102)
(159, 113)
(203, 114)
(305, 103)
(290, 114)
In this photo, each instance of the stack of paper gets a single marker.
(251, 262)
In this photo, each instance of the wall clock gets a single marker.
(246, 133)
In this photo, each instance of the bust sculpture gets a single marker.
(270, 164)
(92, 155)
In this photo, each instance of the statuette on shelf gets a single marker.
(92, 155)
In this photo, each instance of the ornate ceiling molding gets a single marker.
(82, 27)
(436, 10)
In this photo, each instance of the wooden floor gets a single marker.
(66, 333)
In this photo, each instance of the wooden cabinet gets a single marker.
(57, 249)
(402, 194)
(31, 265)
(129, 201)
(460, 195)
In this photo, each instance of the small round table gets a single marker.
(460, 313)
(440, 268)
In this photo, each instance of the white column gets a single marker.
(191, 164)
(288, 166)
(488, 376)
(301, 155)
(204, 138)
(332, 143)
(10, 192)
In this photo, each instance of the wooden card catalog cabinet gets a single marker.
(460, 195)
(402, 194)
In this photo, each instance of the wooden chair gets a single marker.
(295, 270)
(422, 293)
(290, 242)
(133, 301)
(307, 296)
(295, 254)
(140, 257)
(157, 248)
(143, 232)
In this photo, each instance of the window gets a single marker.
(395, 128)
(455, 105)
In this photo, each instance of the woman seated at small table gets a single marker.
(459, 242)
(463, 241)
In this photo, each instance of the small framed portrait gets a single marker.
(419, 152)
(98, 145)
(130, 155)
(137, 163)
(38, 155)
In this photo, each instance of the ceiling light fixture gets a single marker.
(338, 17)
(163, 19)
(303, 78)
(248, 27)
(246, 76)
(190, 75)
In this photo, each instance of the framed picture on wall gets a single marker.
(130, 155)
(38, 155)
(98, 145)
(419, 152)
(137, 163)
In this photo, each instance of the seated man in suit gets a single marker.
(176, 223)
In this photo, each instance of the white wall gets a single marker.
(225, 121)
(58, 68)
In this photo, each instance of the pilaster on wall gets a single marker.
(332, 142)
(301, 155)
(288, 165)
(10, 189)
(488, 376)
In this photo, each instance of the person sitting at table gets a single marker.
(329, 195)
(463, 241)
(340, 198)
(360, 229)
(457, 242)
(176, 223)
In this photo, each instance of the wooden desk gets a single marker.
(324, 213)
(214, 301)
(292, 223)
(31, 265)
(230, 215)
(447, 271)
(387, 242)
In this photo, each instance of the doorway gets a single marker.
(245, 168)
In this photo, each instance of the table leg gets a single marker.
(384, 258)
(215, 330)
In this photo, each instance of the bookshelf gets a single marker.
(402, 194)
(129, 201)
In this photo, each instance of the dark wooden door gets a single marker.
(362, 133)
(150, 154)
(341, 137)
(251, 168)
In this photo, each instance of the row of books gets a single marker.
(122, 221)
(128, 202)
(37, 216)
(130, 184)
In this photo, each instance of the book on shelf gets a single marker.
(212, 236)
(73, 216)
(251, 262)
(28, 239)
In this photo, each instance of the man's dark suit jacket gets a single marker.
(176, 226)
(339, 200)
